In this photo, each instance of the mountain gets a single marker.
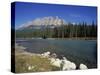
(39, 23)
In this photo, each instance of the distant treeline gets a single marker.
(81, 30)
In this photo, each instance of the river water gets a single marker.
(78, 51)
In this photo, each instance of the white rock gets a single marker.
(73, 66)
(56, 62)
(52, 60)
(68, 65)
(65, 64)
(29, 67)
(46, 54)
(82, 67)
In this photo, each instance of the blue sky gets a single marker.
(25, 12)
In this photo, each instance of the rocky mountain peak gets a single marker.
(45, 21)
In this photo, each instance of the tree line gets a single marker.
(81, 30)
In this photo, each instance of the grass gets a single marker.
(23, 62)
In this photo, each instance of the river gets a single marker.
(78, 51)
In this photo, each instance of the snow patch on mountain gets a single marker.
(45, 21)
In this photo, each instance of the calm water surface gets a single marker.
(78, 51)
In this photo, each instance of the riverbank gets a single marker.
(73, 38)
(35, 62)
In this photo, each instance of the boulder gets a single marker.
(82, 67)
(68, 65)
(56, 62)
(46, 54)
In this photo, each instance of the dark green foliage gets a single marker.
(81, 30)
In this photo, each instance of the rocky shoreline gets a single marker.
(63, 63)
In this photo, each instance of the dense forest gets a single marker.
(81, 30)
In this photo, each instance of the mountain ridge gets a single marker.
(48, 21)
